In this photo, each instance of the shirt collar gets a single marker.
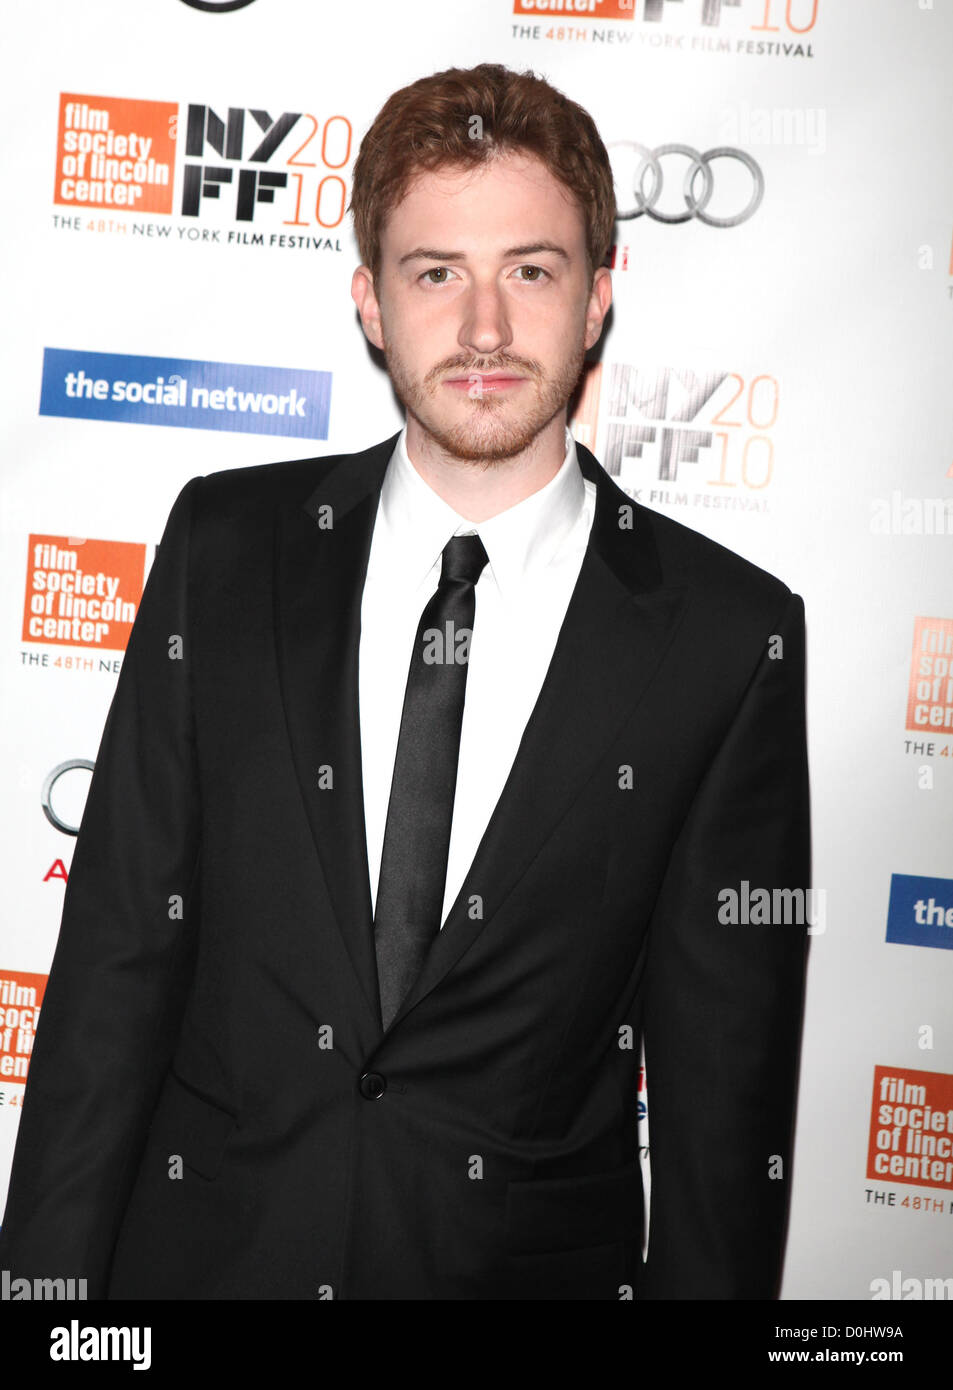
(519, 541)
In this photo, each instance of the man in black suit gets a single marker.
(355, 957)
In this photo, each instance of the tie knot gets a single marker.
(464, 559)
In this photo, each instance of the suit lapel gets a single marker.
(321, 561)
(620, 620)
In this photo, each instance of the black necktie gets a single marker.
(413, 872)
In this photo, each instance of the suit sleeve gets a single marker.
(724, 1001)
(113, 1002)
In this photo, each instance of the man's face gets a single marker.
(483, 306)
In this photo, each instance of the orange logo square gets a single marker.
(562, 11)
(82, 593)
(21, 995)
(911, 1128)
(115, 154)
(930, 697)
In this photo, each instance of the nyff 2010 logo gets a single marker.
(232, 153)
(656, 429)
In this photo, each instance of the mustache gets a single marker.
(469, 366)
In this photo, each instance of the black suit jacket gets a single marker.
(199, 1122)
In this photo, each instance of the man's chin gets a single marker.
(483, 438)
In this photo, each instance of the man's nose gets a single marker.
(485, 327)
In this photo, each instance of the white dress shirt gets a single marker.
(535, 551)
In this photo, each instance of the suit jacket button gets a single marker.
(372, 1085)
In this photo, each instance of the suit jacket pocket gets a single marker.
(571, 1213)
(191, 1126)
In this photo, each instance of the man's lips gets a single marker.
(482, 382)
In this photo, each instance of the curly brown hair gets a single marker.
(430, 124)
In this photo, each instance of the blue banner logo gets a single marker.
(192, 395)
(920, 911)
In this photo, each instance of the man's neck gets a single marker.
(479, 491)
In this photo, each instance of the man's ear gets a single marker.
(362, 292)
(600, 298)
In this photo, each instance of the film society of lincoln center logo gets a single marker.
(911, 1128)
(119, 155)
(21, 995)
(930, 694)
(115, 154)
(82, 593)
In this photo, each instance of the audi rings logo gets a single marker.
(47, 796)
(632, 163)
(221, 8)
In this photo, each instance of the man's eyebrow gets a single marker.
(430, 253)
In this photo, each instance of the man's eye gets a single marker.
(529, 274)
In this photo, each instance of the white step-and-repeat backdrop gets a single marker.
(776, 374)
